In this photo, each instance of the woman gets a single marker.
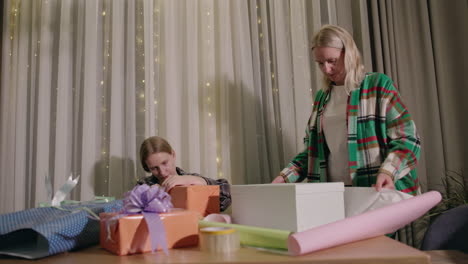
(158, 157)
(359, 131)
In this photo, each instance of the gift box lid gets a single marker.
(290, 206)
(297, 188)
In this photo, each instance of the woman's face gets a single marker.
(161, 164)
(331, 63)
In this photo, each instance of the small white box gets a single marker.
(288, 206)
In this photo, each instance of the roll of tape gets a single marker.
(219, 239)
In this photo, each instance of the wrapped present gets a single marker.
(200, 198)
(290, 206)
(130, 234)
(41, 232)
(148, 222)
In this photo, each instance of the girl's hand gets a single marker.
(181, 180)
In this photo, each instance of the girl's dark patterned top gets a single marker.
(224, 186)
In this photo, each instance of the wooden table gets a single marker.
(371, 251)
(447, 257)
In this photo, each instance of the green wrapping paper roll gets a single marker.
(256, 236)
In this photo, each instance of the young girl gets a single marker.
(158, 157)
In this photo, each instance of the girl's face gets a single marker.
(161, 164)
(331, 63)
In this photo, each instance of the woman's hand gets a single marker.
(278, 179)
(384, 181)
(185, 180)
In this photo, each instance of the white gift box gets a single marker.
(288, 206)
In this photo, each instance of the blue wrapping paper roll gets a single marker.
(40, 232)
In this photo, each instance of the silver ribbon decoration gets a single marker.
(64, 190)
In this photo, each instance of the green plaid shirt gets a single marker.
(382, 138)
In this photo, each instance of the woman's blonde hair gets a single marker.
(337, 37)
(153, 145)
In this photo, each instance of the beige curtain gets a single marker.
(84, 82)
(421, 45)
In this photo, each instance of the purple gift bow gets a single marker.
(150, 201)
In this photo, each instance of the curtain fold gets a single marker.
(419, 45)
(449, 35)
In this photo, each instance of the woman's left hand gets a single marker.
(384, 181)
(185, 180)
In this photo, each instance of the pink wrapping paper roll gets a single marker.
(374, 223)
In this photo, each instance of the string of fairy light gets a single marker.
(104, 85)
(140, 84)
(156, 32)
(209, 90)
(263, 27)
(13, 17)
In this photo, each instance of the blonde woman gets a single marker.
(359, 132)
